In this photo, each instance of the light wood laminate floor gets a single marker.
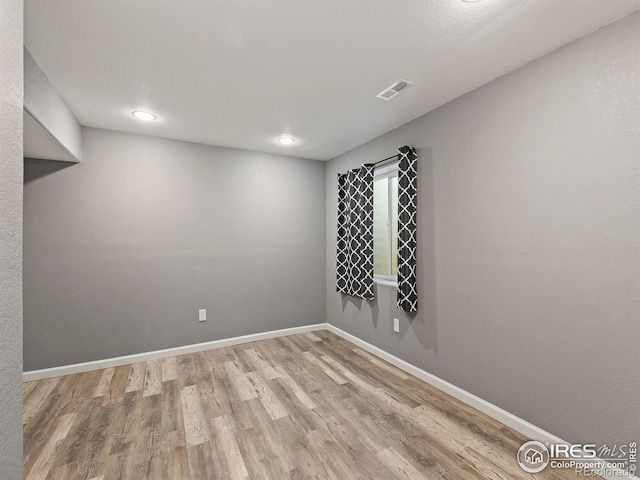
(310, 406)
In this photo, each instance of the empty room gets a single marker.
(319, 239)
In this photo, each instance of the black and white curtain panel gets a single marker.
(354, 272)
(407, 203)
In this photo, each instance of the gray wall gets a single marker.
(122, 249)
(529, 228)
(11, 239)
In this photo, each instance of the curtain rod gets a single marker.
(376, 163)
(384, 160)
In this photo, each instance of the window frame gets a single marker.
(389, 171)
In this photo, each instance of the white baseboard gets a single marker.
(510, 420)
(168, 352)
(516, 423)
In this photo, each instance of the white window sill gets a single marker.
(384, 281)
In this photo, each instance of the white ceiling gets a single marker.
(239, 73)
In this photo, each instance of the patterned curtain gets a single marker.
(354, 272)
(407, 202)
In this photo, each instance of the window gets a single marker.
(385, 223)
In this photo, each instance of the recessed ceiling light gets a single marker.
(143, 115)
(286, 140)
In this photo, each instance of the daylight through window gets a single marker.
(385, 223)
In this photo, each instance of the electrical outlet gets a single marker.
(396, 325)
(202, 314)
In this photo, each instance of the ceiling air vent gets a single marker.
(393, 90)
